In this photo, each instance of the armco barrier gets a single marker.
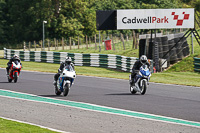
(196, 64)
(98, 60)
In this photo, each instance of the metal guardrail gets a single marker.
(98, 60)
(196, 64)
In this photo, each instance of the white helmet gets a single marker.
(68, 60)
(15, 57)
(143, 59)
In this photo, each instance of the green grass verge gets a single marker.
(186, 65)
(180, 78)
(1, 53)
(167, 77)
(196, 46)
(8, 126)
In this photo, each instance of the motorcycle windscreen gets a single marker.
(69, 68)
(16, 62)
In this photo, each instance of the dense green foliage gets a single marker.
(22, 20)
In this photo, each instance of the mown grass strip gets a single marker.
(8, 126)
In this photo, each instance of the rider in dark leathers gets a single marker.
(14, 58)
(68, 61)
(136, 67)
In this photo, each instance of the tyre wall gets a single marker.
(170, 47)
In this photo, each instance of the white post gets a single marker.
(192, 43)
(99, 42)
(146, 44)
(43, 33)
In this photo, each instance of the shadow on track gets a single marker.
(5, 82)
(44, 73)
(50, 96)
(121, 94)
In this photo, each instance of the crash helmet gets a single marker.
(143, 59)
(68, 60)
(15, 57)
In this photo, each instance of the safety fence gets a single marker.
(97, 60)
(196, 64)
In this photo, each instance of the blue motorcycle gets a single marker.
(141, 80)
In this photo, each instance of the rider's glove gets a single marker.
(59, 71)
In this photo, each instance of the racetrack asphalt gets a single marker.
(175, 101)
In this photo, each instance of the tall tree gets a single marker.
(2, 21)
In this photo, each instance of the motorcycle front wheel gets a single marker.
(132, 90)
(57, 91)
(15, 77)
(9, 80)
(143, 87)
(66, 89)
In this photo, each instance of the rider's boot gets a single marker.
(7, 72)
(54, 83)
(132, 81)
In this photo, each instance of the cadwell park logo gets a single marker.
(180, 21)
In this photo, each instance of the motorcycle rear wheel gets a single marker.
(66, 89)
(143, 87)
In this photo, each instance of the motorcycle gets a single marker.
(14, 71)
(141, 80)
(65, 80)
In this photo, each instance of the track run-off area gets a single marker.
(100, 105)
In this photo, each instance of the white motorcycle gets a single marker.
(65, 80)
(141, 80)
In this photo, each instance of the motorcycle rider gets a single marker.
(68, 61)
(14, 58)
(136, 67)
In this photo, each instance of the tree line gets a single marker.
(22, 20)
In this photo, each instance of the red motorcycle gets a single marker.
(14, 71)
